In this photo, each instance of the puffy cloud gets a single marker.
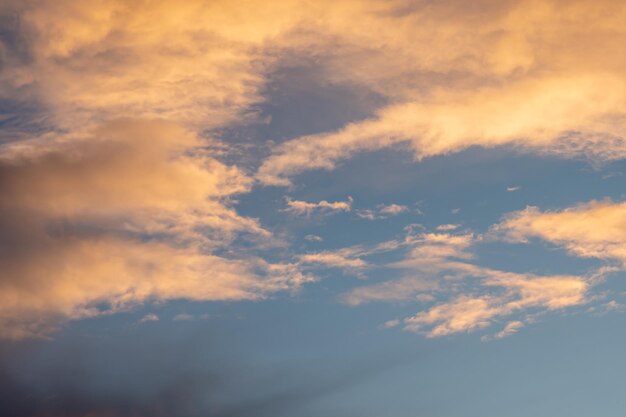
(130, 213)
(305, 208)
(596, 229)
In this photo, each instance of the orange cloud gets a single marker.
(125, 215)
(594, 230)
(438, 267)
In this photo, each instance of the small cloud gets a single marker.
(613, 174)
(343, 260)
(448, 227)
(425, 297)
(183, 317)
(414, 228)
(305, 208)
(513, 189)
(510, 329)
(455, 211)
(393, 209)
(614, 306)
(148, 317)
(367, 214)
(313, 238)
(382, 211)
(390, 324)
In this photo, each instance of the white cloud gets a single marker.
(391, 324)
(447, 227)
(183, 317)
(305, 208)
(148, 317)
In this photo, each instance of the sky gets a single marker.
(312, 208)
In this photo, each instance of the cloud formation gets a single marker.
(122, 216)
(492, 76)
(596, 229)
(439, 266)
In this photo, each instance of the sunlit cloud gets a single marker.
(498, 77)
(592, 230)
(150, 205)
(440, 266)
(120, 217)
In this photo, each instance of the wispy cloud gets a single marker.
(475, 297)
(382, 211)
(148, 317)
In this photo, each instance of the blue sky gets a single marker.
(312, 208)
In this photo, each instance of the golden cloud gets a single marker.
(594, 230)
(438, 267)
(122, 216)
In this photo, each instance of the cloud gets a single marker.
(313, 238)
(390, 324)
(439, 266)
(343, 259)
(523, 116)
(513, 189)
(382, 211)
(193, 63)
(596, 229)
(183, 317)
(305, 208)
(447, 227)
(511, 327)
(127, 214)
(148, 317)
(509, 75)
